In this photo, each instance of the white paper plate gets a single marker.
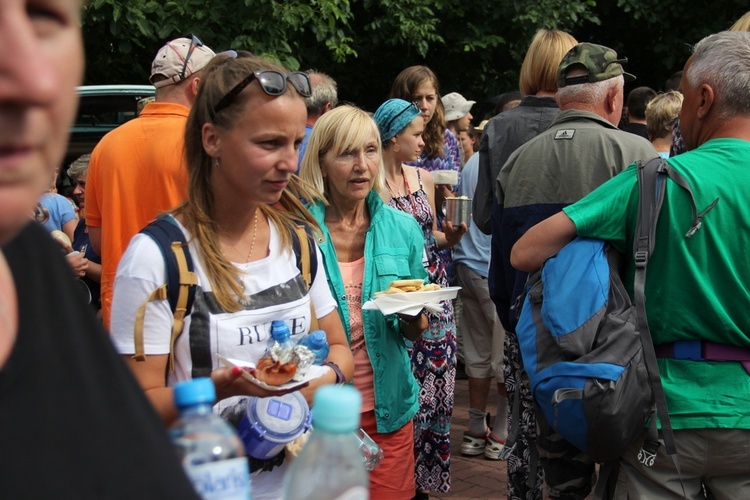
(313, 372)
(411, 303)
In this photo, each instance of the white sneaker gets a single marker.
(473, 445)
(493, 448)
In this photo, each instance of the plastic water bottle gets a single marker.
(372, 454)
(330, 466)
(317, 342)
(279, 334)
(268, 424)
(208, 447)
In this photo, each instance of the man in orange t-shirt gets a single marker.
(138, 170)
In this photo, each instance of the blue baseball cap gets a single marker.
(393, 116)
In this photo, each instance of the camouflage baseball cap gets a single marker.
(601, 63)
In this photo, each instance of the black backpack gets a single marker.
(180, 283)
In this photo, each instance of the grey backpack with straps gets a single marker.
(587, 348)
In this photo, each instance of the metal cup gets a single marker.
(457, 210)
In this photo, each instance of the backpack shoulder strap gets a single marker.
(652, 185)
(179, 288)
(652, 179)
(307, 262)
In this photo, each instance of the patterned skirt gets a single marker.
(434, 365)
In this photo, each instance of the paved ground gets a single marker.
(473, 478)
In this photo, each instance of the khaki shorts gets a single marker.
(479, 326)
(715, 459)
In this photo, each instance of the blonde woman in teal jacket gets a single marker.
(366, 245)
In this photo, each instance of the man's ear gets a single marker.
(612, 96)
(707, 98)
(193, 89)
(328, 107)
(211, 140)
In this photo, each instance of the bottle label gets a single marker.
(355, 493)
(222, 480)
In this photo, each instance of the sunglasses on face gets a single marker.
(194, 42)
(413, 106)
(272, 82)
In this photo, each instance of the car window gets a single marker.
(106, 111)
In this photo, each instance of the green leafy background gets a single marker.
(475, 46)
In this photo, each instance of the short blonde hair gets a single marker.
(539, 68)
(341, 129)
(661, 112)
(742, 24)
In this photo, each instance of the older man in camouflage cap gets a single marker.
(581, 150)
(600, 62)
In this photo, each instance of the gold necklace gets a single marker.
(252, 242)
(255, 233)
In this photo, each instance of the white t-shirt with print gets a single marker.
(274, 290)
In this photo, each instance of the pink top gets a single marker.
(352, 274)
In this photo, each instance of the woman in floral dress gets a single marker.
(433, 355)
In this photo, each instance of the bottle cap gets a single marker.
(270, 423)
(336, 408)
(279, 331)
(318, 339)
(194, 392)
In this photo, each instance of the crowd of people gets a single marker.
(254, 165)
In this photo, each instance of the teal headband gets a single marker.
(393, 116)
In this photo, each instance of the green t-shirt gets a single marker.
(697, 288)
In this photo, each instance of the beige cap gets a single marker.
(170, 61)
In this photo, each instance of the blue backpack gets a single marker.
(586, 347)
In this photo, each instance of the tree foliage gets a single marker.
(474, 46)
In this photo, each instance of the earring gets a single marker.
(216, 162)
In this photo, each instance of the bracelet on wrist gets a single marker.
(340, 379)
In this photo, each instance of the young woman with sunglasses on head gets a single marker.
(242, 140)
(433, 355)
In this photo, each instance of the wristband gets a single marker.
(340, 379)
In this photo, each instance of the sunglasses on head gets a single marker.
(194, 42)
(413, 106)
(272, 82)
